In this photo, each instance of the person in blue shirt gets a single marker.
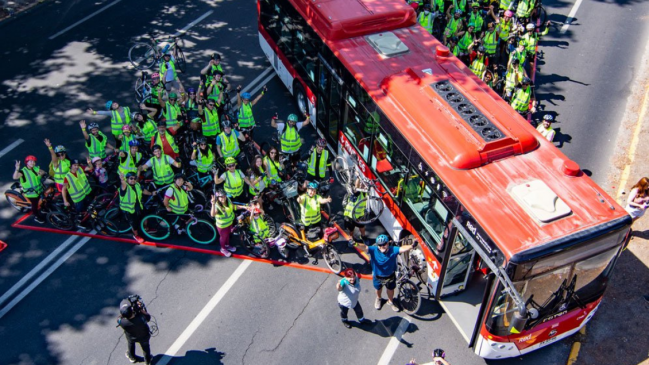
(383, 258)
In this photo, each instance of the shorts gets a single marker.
(390, 282)
(172, 85)
(350, 225)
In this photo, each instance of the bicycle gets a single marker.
(409, 266)
(66, 220)
(158, 228)
(296, 237)
(144, 55)
(372, 204)
(50, 199)
(257, 246)
(144, 89)
(115, 215)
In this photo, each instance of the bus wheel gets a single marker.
(300, 98)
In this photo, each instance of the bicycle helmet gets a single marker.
(197, 120)
(526, 81)
(191, 90)
(59, 149)
(130, 174)
(230, 161)
(227, 124)
(530, 26)
(382, 240)
(201, 140)
(475, 5)
(134, 143)
(109, 104)
(92, 126)
(126, 128)
(156, 147)
(312, 185)
(179, 176)
(481, 49)
(220, 193)
(509, 13)
(245, 96)
(216, 56)
(256, 211)
(75, 162)
(95, 160)
(458, 11)
(173, 96)
(162, 124)
(439, 353)
(155, 75)
(548, 118)
(321, 142)
(426, 6)
(349, 273)
(167, 54)
(292, 118)
(30, 158)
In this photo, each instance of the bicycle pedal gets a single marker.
(314, 262)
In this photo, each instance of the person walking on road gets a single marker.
(136, 330)
(349, 288)
(545, 128)
(638, 200)
(383, 259)
(30, 180)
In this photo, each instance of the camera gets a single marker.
(136, 303)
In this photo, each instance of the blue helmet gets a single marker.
(312, 185)
(382, 240)
(109, 104)
(134, 143)
(246, 96)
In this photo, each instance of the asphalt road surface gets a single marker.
(209, 309)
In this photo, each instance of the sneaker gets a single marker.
(231, 249)
(347, 324)
(226, 253)
(364, 321)
(180, 231)
(377, 304)
(393, 306)
(130, 358)
(138, 239)
(39, 220)
(351, 243)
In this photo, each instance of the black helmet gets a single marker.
(130, 174)
(481, 49)
(179, 176)
(201, 140)
(227, 124)
(125, 310)
(157, 147)
(439, 353)
(526, 81)
(162, 124)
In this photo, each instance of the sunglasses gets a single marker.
(132, 178)
(61, 154)
(202, 144)
(228, 166)
(212, 105)
(172, 99)
(383, 245)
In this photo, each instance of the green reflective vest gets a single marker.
(132, 196)
(478, 66)
(465, 42)
(439, 5)
(461, 4)
(521, 99)
(504, 28)
(78, 186)
(149, 129)
(273, 169)
(259, 227)
(525, 8)
(163, 69)
(171, 113)
(96, 148)
(372, 124)
(61, 170)
(490, 42)
(521, 56)
(360, 209)
(246, 119)
(233, 183)
(216, 90)
(211, 127)
(322, 165)
(290, 139)
(116, 122)
(505, 4)
(129, 164)
(224, 216)
(310, 209)
(170, 140)
(180, 203)
(530, 40)
(125, 147)
(31, 182)
(257, 187)
(512, 78)
(190, 105)
(204, 161)
(162, 172)
(426, 21)
(229, 145)
(477, 20)
(155, 91)
(452, 27)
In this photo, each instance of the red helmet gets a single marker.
(256, 211)
(30, 158)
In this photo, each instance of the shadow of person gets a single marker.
(561, 138)
(195, 357)
(387, 328)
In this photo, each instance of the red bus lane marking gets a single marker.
(2, 245)
(18, 224)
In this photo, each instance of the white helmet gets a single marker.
(529, 26)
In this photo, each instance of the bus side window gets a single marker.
(353, 129)
(388, 162)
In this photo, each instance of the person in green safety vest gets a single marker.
(479, 61)
(212, 67)
(514, 76)
(310, 202)
(60, 164)
(145, 126)
(130, 202)
(522, 98)
(257, 178)
(475, 18)
(227, 143)
(352, 211)
(454, 25)
(215, 89)
(30, 180)
(161, 165)
(189, 102)
(211, 125)
(171, 110)
(427, 18)
(126, 137)
(258, 225)
(165, 139)
(273, 166)
(452, 46)
(76, 188)
(545, 127)
(169, 75)
(465, 42)
(245, 117)
(524, 10)
(318, 161)
(290, 141)
(119, 116)
(176, 200)
(130, 161)
(157, 88)
(96, 141)
(490, 41)
(234, 179)
(223, 212)
(504, 27)
(202, 157)
(530, 38)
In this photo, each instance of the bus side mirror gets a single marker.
(519, 320)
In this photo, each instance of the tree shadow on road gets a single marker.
(386, 328)
(196, 357)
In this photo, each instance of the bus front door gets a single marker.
(460, 266)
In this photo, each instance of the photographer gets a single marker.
(133, 321)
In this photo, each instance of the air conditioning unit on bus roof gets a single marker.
(387, 44)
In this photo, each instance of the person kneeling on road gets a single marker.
(176, 200)
(349, 288)
(383, 259)
(130, 202)
(310, 206)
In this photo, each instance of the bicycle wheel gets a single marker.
(332, 259)
(409, 297)
(18, 201)
(342, 170)
(117, 218)
(179, 56)
(373, 208)
(140, 92)
(257, 247)
(105, 227)
(102, 201)
(155, 227)
(272, 227)
(142, 56)
(198, 200)
(201, 231)
(61, 220)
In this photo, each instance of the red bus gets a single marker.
(524, 240)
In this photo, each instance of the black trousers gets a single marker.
(144, 344)
(35, 211)
(357, 309)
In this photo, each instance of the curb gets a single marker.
(37, 5)
(576, 346)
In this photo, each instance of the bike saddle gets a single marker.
(314, 234)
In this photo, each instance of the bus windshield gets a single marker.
(559, 283)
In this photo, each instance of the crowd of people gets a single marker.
(497, 40)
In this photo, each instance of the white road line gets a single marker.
(394, 342)
(36, 269)
(84, 19)
(190, 25)
(43, 276)
(571, 16)
(180, 341)
(253, 82)
(11, 147)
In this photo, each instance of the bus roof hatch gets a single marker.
(539, 201)
(387, 44)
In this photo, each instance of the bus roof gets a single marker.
(481, 172)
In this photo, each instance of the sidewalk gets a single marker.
(616, 333)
